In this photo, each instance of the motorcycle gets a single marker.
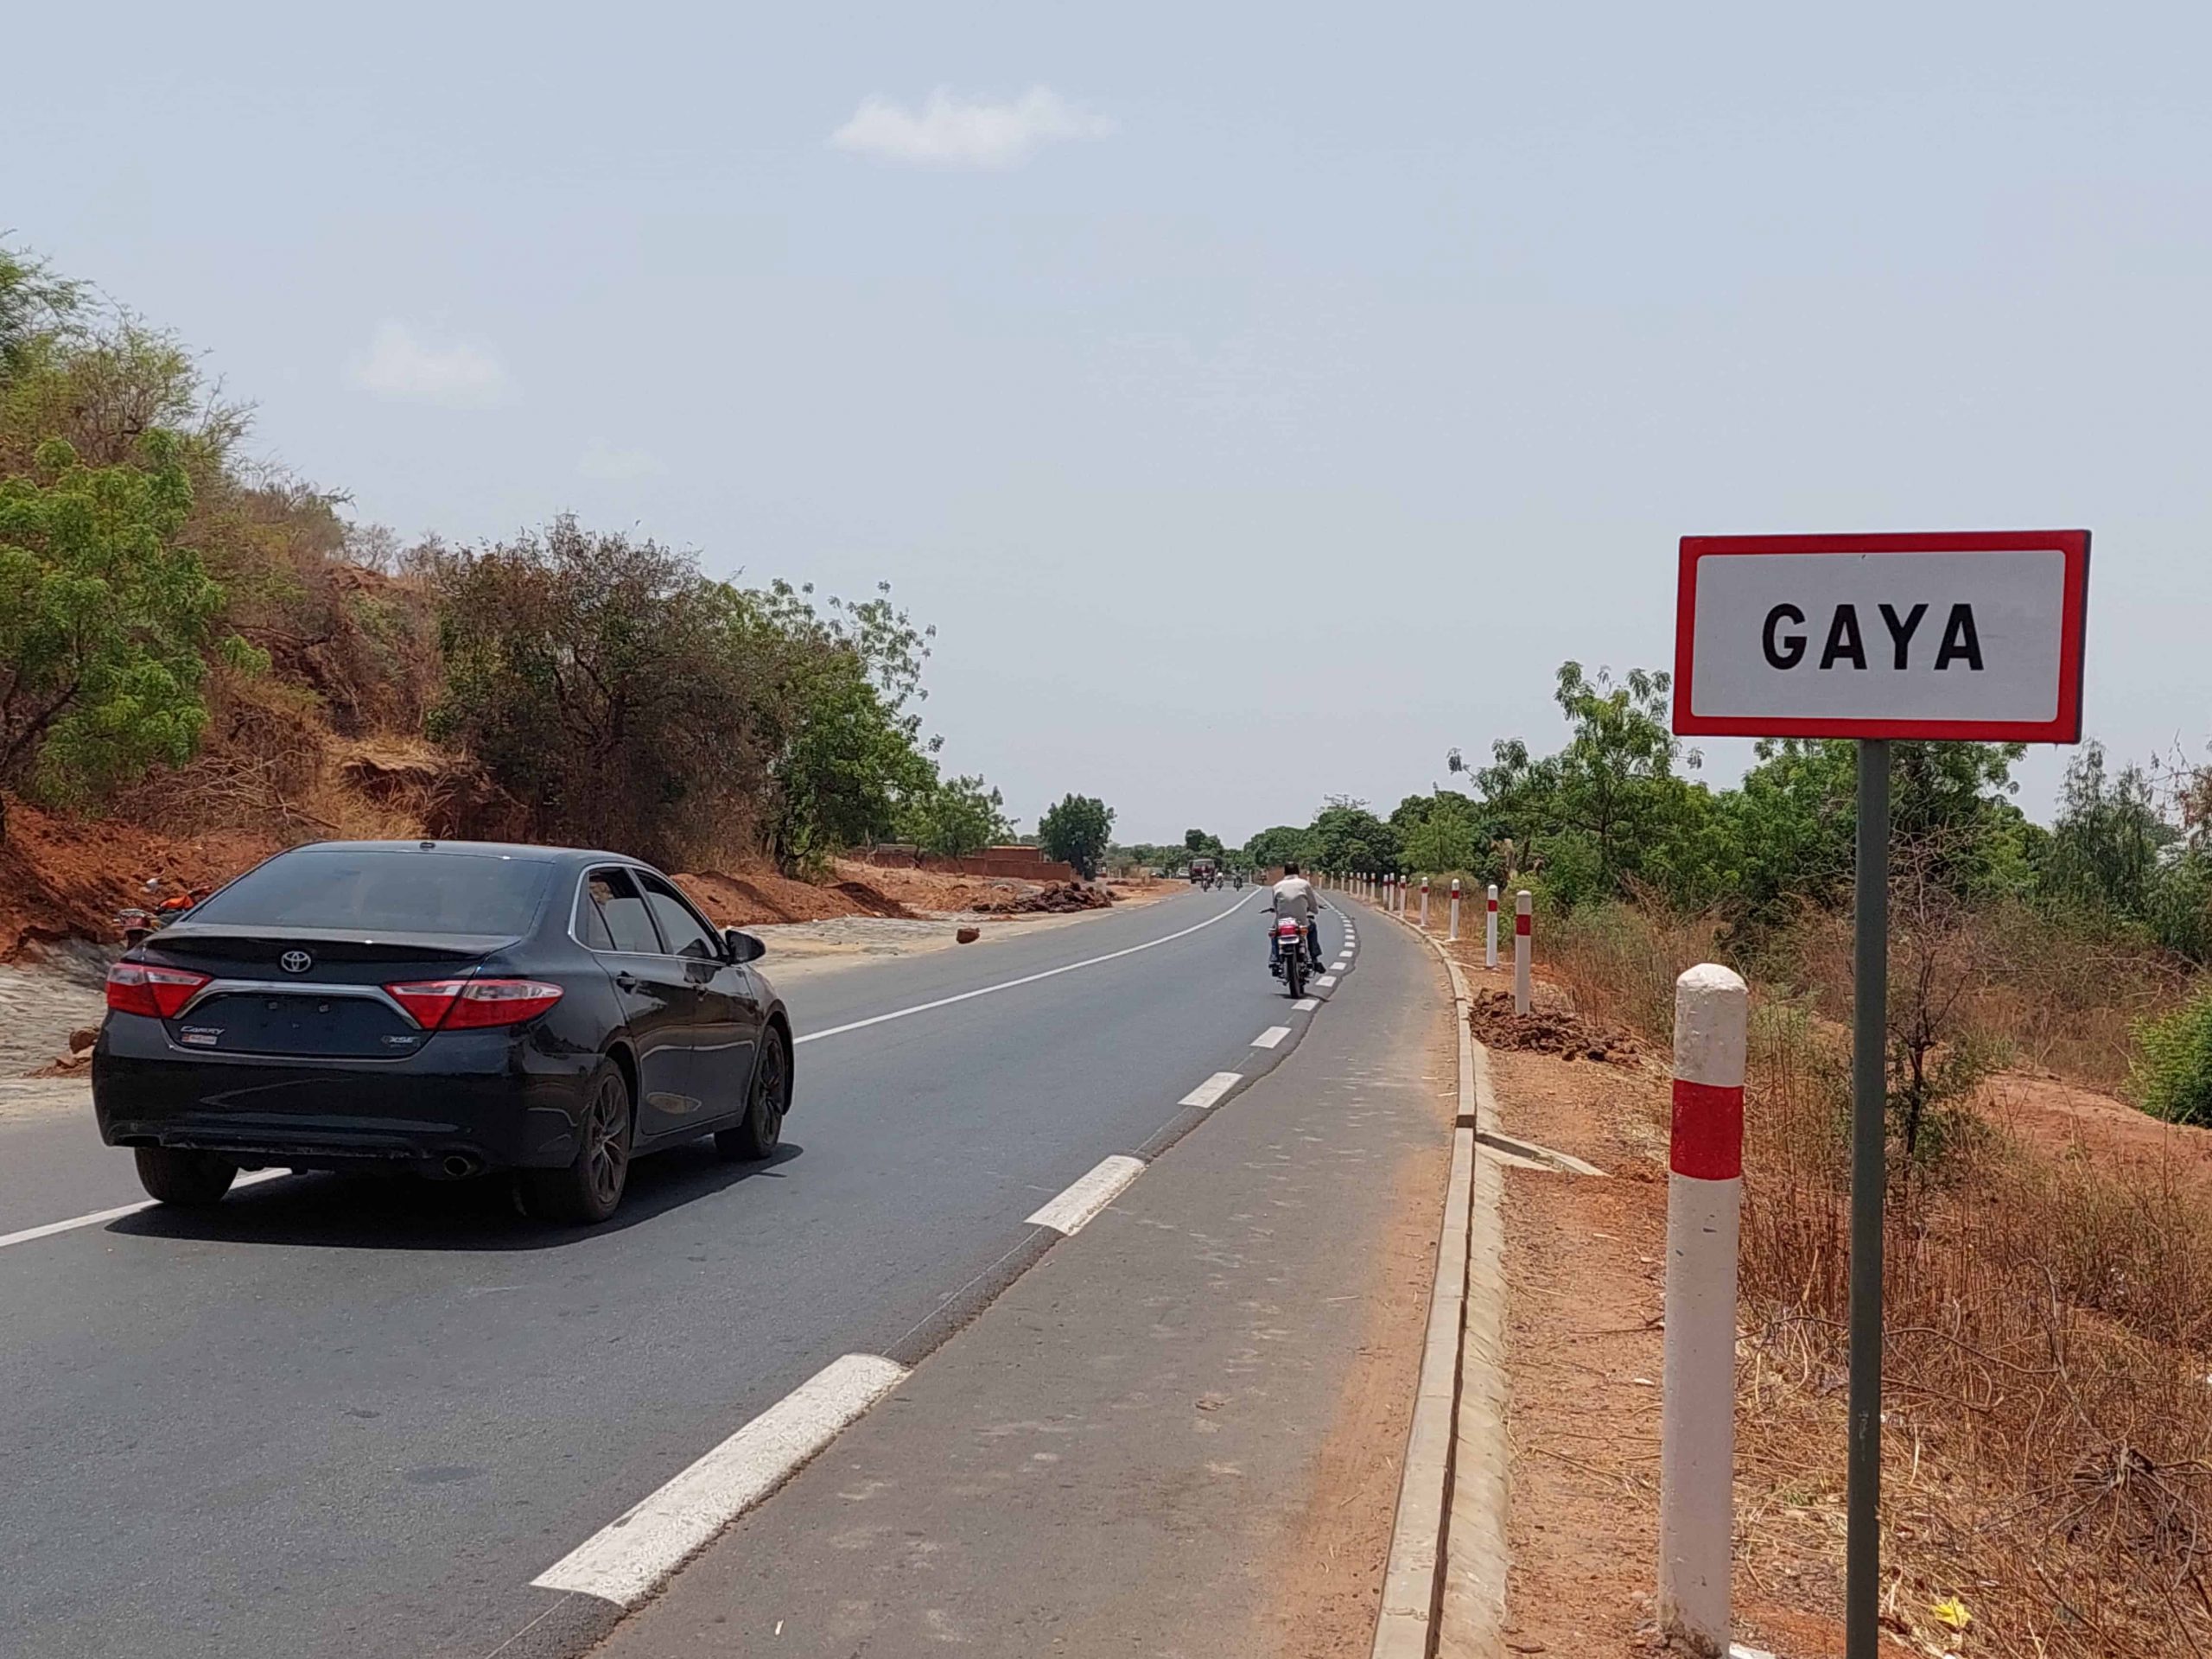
(1290, 955)
(139, 921)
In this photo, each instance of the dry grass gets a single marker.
(2047, 1370)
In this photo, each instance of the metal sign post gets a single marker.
(1971, 636)
(1870, 993)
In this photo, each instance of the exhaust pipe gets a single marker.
(459, 1165)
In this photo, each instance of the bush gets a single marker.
(2172, 1074)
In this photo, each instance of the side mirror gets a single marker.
(743, 946)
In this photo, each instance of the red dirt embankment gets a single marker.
(749, 897)
(65, 878)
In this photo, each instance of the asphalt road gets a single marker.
(353, 1417)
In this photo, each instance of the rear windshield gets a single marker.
(382, 890)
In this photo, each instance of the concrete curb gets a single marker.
(1444, 1585)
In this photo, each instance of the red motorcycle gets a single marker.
(1290, 954)
(137, 921)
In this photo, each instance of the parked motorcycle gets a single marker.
(138, 921)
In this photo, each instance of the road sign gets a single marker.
(1972, 635)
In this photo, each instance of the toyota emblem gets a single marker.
(295, 962)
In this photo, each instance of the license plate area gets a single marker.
(313, 1023)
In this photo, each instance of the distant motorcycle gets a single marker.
(137, 922)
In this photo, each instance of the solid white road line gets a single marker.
(1306, 1004)
(1068, 1212)
(624, 1560)
(1326, 980)
(1214, 1087)
(120, 1211)
(1027, 979)
(1271, 1036)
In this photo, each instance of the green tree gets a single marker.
(955, 818)
(103, 621)
(1345, 836)
(625, 700)
(1199, 844)
(1077, 832)
(1285, 844)
(1445, 834)
(832, 696)
(36, 307)
(1608, 808)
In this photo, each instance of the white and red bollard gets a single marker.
(1424, 904)
(1489, 930)
(1704, 1185)
(1390, 893)
(1524, 943)
(1452, 924)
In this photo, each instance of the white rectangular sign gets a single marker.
(1944, 635)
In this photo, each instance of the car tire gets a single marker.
(768, 1096)
(188, 1180)
(589, 1189)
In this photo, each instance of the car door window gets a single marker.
(686, 934)
(615, 911)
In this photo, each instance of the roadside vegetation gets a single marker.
(194, 641)
(2048, 1303)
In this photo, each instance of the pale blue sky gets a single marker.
(1265, 405)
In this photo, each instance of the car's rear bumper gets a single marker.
(467, 1101)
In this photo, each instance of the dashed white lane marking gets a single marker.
(1306, 1004)
(1326, 980)
(1271, 1036)
(1216, 1086)
(1340, 964)
(1068, 1212)
(628, 1557)
(1027, 979)
(122, 1209)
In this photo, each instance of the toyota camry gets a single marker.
(442, 1007)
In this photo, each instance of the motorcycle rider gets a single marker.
(1294, 897)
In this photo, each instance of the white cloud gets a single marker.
(950, 130)
(601, 460)
(400, 363)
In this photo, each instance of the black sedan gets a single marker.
(445, 1008)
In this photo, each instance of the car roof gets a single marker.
(476, 848)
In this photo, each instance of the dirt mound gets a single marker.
(64, 878)
(757, 896)
(1054, 898)
(1547, 1028)
(937, 892)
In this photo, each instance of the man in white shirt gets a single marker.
(1294, 897)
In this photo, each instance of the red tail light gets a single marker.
(157, 993)
(474, 1004)
(1287, 929)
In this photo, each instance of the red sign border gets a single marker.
(2065, 727)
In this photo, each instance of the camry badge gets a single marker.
(295, 962)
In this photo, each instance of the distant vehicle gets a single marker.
(443, 1009)
(1204, 871)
